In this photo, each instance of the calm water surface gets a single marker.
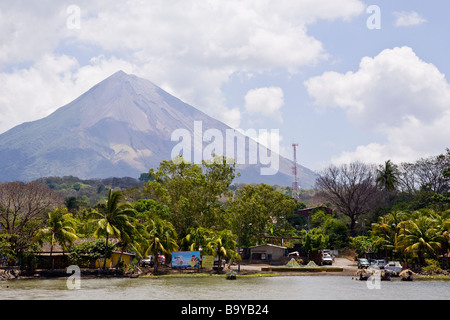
(277, 288)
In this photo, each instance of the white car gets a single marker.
(327, 259)
(377, 264)
(393, 266)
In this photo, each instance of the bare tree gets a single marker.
(408, 178)
(425, 174)
(22, 207)
(351, 188)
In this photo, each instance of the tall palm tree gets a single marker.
(60, 229)
(116, 220)
(387, 178)
(161, 238)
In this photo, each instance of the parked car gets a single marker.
(378, 263)
(147, 262)
(327, 252)
(394, 266)
(327, 259)
(363, 263)
(162, 259)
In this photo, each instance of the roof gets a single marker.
(308, 211)
(57, 248)
(269, 245)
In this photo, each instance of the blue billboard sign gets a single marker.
(186, 259)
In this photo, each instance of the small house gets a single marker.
(126, 259)
(266, 253)
(56, 258)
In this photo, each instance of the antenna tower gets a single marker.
(295, 183)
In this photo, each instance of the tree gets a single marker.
(23, 206)
(314, 241)
(161, 238)
(86, 253)
(255, 209)
(59, 229)
(387, 177)
(421, 237)
(430, 174)
(197, 238)
(350, 188)
(115, 220)
(223, 245)
(191, 192)
(337, 233)
(364, 244)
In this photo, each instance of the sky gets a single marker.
(347, 80)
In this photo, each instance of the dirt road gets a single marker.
(350, 267)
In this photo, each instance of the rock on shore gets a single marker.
(9, 274)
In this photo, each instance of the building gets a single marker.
(267, 253)
(57, 258)
(126, 259)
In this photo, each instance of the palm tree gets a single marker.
(223, 245)
(116, 220)
(197, 238)
(387, 178)
(443, 225)
(421, 237)
(60, 229)
(161, 238)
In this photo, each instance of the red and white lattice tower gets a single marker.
(295, 183)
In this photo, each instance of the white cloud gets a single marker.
(395, 93)
(190, 48)
(193, 47)
(26, 31)
(53, 81)
(407, 19)
(265, 101)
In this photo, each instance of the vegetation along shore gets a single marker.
(132, 227)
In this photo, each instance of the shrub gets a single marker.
(432, 267)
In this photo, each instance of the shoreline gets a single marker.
(342, 268)
(223, 275)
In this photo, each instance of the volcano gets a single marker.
(121, 127)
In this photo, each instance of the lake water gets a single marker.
(275, 288)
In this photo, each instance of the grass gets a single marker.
(210, 275)
(303, 269)
(437, 277)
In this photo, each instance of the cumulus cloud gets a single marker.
(265, 101)
(189, 48)
(397, 94)
(407, 19)
(27, 32)
(53, 81)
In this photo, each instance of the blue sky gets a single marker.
(311, 68)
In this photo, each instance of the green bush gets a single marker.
(432, 267)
